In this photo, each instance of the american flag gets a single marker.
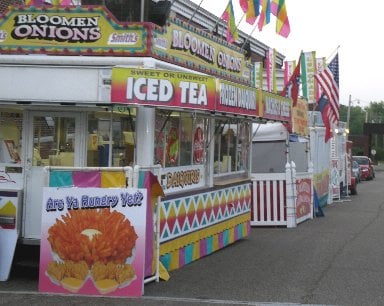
(328, 79)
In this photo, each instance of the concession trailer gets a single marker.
(80, 91)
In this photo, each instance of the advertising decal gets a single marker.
(93, 241)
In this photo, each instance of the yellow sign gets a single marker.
(69, 31)
(300, 118)
(201, 51)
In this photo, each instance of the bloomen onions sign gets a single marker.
(73, 30)
(56, 28)
(200, 51)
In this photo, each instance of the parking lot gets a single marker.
(331, 260)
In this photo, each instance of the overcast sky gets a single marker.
(322, 26)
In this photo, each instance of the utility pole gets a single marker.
(349, 111)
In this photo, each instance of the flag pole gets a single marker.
(218, 19)
(249, 36)
(237, 26)
(193, 15)
(333, 52)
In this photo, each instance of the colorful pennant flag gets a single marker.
(251, 8)
(328, 80)
(244, 5)
(291, 90)
(265, 15)
(34, 2)
(279, 9)
(327, 116)
(229, 17)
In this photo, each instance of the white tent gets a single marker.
(273, 131)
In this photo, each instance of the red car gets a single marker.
(366, 168)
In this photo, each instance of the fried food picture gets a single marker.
(108, 277)
(91, 242)
(68, 274)
(93, 235)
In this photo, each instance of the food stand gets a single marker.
(108, 94)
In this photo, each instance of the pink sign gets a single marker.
(93, 241)
(304, 197)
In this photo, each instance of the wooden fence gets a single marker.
(282, 199)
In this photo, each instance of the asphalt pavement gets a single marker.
(332, 260)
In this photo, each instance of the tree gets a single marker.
(357, 118)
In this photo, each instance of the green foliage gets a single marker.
(357, 118)
(374, 113)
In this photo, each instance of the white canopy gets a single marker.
(273, 131)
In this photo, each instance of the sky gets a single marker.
(327, 27)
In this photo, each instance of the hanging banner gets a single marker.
(308, 70)
(321, 63)
(271, 70)
(93, 241)
(258, 75)
(289, 67)
(163, 88)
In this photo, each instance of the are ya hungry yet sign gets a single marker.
(93, 241)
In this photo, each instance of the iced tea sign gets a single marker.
(93, 241)
(162, 88)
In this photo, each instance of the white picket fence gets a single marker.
(282, 199)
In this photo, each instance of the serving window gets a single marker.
(11, 124)
(180, 138)
(111, 138)
(231, 146)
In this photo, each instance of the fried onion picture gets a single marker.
(93, 235)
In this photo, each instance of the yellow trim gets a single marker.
(178, 243)
(175, 255)
(174, 263)
(196, 251)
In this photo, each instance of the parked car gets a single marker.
(356, 171)
(366, 167)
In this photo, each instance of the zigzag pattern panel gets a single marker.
(185, 215)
